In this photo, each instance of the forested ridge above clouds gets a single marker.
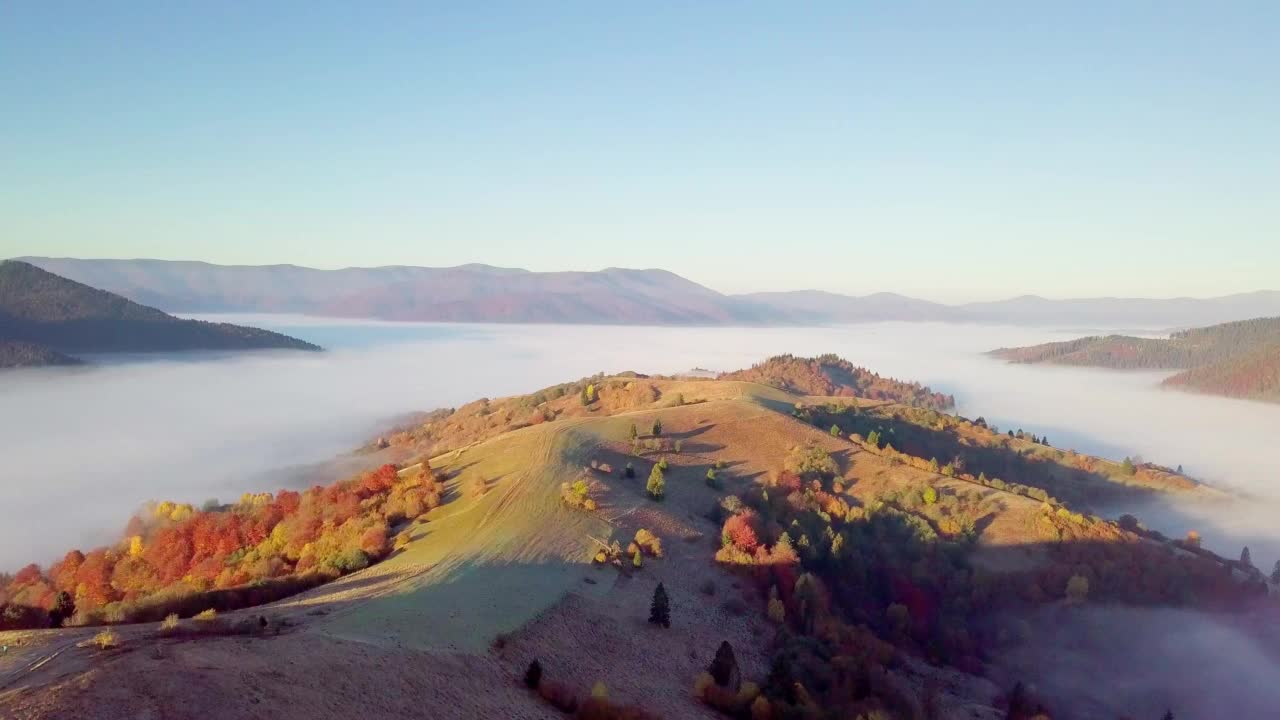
(1235, 359)
(45, 318)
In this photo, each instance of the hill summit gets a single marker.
(601, 547)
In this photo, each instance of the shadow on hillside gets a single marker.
(1225, 524)
(685, 467)
(686, 434)
(1065, 438)
(1080, 487)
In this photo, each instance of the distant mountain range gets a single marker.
(46, 319)
(1236, 359)
(482, 293)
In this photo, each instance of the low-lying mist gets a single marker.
(84, 447)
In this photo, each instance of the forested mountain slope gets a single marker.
(1236, 359)
(44, 318)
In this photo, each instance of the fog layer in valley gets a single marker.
(1112, 662)
(83, 448)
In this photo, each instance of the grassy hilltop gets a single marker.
(855, 554)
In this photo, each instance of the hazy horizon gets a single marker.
(481, 263)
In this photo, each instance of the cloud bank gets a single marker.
(83, 448)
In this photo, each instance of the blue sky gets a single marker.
(951, 151)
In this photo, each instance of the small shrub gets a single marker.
(777, 611)
(533, 676)
(207, 615)
(701, 683)
(1077, 589)
(724, 668)
(107, 639)
(657, 485)
(558, 695)
(721, 698)
(349, 561)
(649, 542)
(660, 608)
(577, 495)
(170, 623)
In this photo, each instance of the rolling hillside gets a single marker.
(801, 546)
(44, 319)
(1237, 359)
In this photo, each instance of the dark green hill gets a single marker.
(15, 353)
(44, 318)
(1236, 359)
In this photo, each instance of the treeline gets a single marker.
(14, 353)
(1254, 376)
(175, 558)
(956, 446)
(833, 376)
(1181, 350)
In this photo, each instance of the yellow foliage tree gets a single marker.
(1077, 588)
(777, 611)
(700, 685)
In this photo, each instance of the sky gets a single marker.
(951, 151)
